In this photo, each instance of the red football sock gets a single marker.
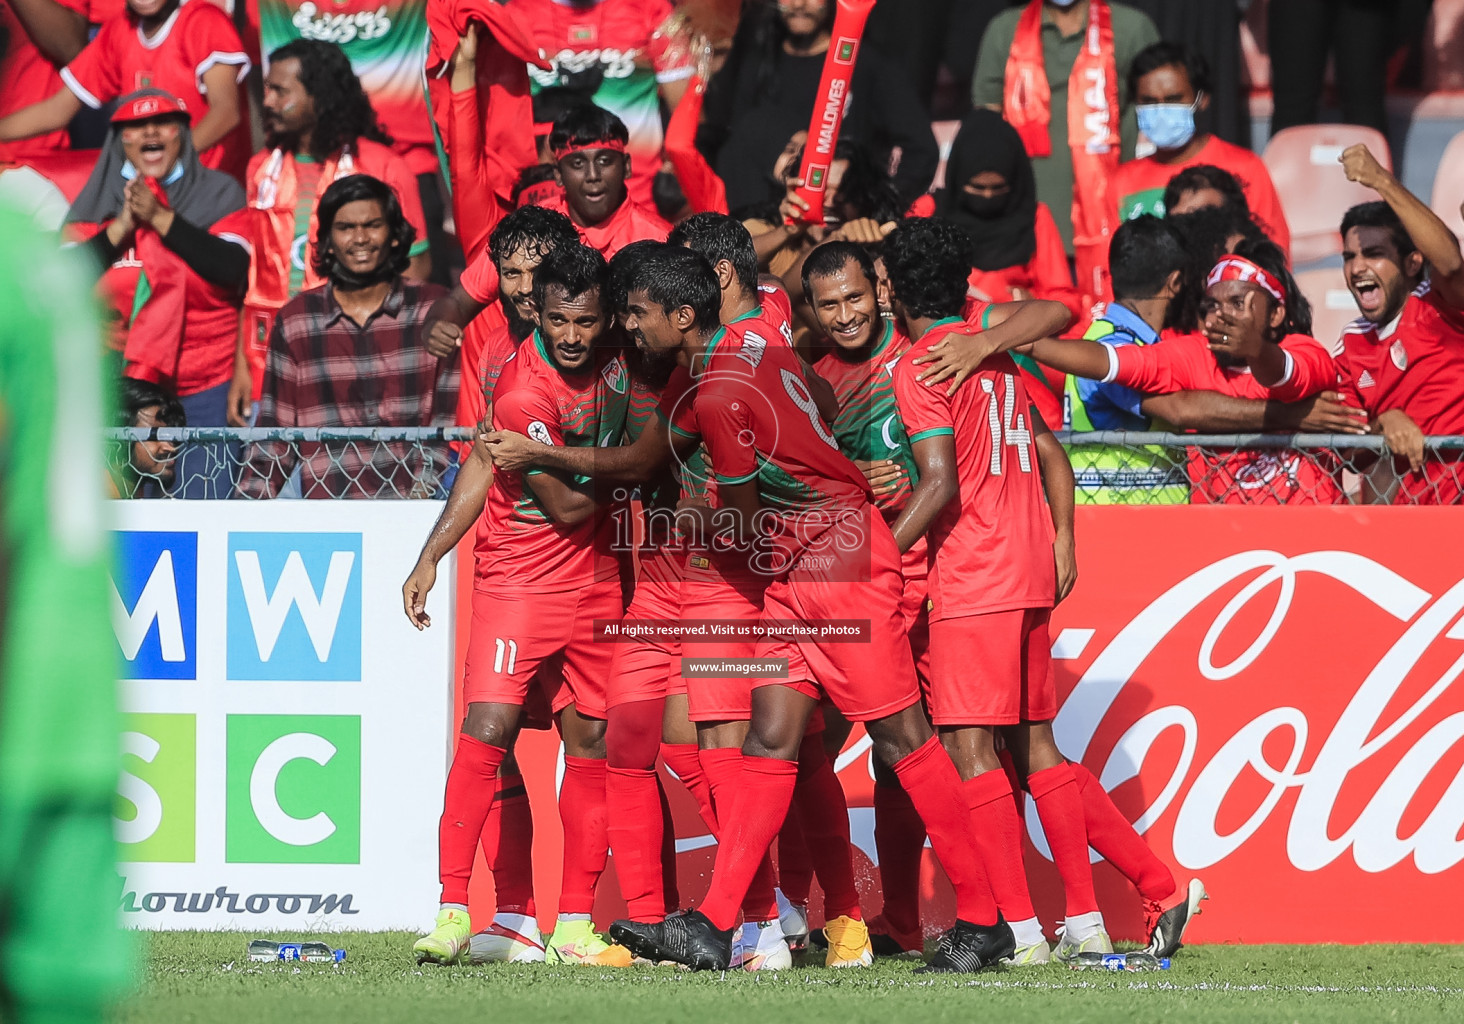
(935, 789)
(635, 827)
(1111, 834)
(1060, 807)
(634, 824)
(1010, 768)
(899, 839)
(764, 792)
(795, 867)
(471, 783)
(723, 767)
(682, 759)
(823, 813)
(582, 813)
(670, 891)
(508, 847)
(999, 836)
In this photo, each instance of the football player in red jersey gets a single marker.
(1403, 359)
(800, 514)
(545, 572)
(997, 552)
(861, 350)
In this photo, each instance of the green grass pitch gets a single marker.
(205, 976)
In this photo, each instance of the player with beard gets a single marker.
(591, 164)
(1254, 343)
(491, 309)
(800, 513)
(846, 298)
(1403, 359)
(318, 127)
(544, 572)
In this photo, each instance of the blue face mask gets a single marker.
(129, 172)
(1062, 3)
(1168, 125)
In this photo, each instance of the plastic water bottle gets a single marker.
(1139, 961)
(268, 951)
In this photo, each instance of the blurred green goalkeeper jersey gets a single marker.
(59, 738)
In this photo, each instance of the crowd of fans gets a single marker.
(341, 274)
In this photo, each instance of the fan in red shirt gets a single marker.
(1170, 86)
(545, 571)
(592, 164)
(42, 36)
(990, 193)
(1255, 344)
(791, 505)
(188, 48)
(1403, 359)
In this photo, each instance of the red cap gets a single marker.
(151, 105)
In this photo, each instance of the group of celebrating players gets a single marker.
(893, 476)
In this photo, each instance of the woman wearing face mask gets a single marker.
(1016, 250)
(1171, 87)
(169, 234)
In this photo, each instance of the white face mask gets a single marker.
(1062, 3)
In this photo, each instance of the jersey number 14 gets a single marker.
(1008, 427)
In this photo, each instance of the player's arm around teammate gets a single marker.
(1004, 326)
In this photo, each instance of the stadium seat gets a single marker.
(1314, 192)
(1448, 188)
(1332, 305)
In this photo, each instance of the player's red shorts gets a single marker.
(514, 634)
(915, 605)
(864, 680)
(643, 669)
(992, 669)
(727, 698)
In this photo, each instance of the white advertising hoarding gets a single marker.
(285, 729)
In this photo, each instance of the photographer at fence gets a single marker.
(353, 353)
(1403, 359)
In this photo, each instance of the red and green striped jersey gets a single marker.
(868, 427)
(386, 41)
(519, 546)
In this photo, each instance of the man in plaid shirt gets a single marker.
(353, 353)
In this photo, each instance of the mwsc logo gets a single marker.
(294, 606)
(291, 786)
(155, 604)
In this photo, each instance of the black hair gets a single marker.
(1202, 176)
(928, 260)
(1267, 255)
(574, 268)
(354, 188)
(673, 276)
(866, 185)
(552, 103)
(719, 237)
(1163, 54)
(1379, 214)
(758, 43)
(622, 268)
(828, 259)
(135, 395)
(343, 112)
(1204, 233)
(534, 229)
(586, 124)
(533, 174)
(1143, 253)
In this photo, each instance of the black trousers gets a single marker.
(1359, 35)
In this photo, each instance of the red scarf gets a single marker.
(155, 339)
(272, 216)
(1093, 115)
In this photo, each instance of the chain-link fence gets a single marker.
(1111, 467)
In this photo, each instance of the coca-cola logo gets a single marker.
(1367, 736)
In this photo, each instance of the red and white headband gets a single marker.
(612, 144)
(1238, 268)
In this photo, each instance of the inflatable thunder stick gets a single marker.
(829, 103)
